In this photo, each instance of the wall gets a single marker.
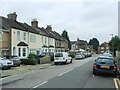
(118, 54)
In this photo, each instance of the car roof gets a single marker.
(105, 57)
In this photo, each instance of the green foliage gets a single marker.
(72, 54)
(114, 44)
(46, 56)
(29, 61)
(95, 43)
(65, 35)
(32, 56)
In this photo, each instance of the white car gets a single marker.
(5, 63)
(62, 57)
(79, 56)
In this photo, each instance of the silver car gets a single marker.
(5, 63)
(16, 60)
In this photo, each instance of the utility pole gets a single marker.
(112, 45)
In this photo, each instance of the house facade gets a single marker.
(79, 44)
(104, 47)
(21, 39)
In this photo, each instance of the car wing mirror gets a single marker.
(95, 59)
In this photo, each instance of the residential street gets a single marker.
(75, 75)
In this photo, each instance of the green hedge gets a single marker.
(29, 61)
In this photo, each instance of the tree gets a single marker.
(95, 43)
(114, 44)
(65, 35)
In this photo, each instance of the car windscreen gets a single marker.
(109, 55)
(105, 61)
(58, 55)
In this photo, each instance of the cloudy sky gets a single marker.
(81, 18)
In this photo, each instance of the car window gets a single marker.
(58, 55)
(77, 53)
(105, 61)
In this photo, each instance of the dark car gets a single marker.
(105, 66)
(48, 54)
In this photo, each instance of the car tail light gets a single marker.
(94, 66)
(115, 68)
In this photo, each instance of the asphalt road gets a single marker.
(75, 75)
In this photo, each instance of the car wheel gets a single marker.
(65, 62)
(55, 63)
(18, 65)
(94, 72)
(71, 61)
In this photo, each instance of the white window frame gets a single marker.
(24, 36)
(18, 35)
(32, 38)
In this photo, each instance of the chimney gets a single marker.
(34, 23)
(49, 28)
(12, 16)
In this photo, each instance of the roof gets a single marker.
(29, 28)
(9, 23)
(60, 37)
(41, 31)
(22, 44)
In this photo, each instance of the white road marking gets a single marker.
(38, 85)
(65, 72)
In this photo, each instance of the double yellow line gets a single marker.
(117, 83)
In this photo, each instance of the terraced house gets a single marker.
(21, 39)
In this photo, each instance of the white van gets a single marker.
(62, 57)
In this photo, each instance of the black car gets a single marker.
(105, 66)
(47, 54)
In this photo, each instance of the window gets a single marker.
(45, 50)
(24, 51)
(45, 40)
(42, 39)
(24, 36)
(32, 38)
(18, 35)
(19, 52)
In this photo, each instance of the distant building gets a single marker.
(103, 47)
(79, 44)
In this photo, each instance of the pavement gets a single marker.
(17, 73)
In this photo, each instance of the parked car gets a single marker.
(62, 57)
(5, 63)
(105, 65)
(51, 54)
(15, 59)
(79, 56)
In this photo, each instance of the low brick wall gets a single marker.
(44, 60)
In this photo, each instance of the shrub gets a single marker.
(29, 61)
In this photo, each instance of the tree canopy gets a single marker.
(114, 44)
(65, 35)
(95, 43)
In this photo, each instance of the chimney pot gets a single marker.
(12, 16)
(34, 23)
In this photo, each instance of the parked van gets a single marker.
(62, 57)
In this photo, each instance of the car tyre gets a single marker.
(71, 61)
(55, 63)
(94, 72)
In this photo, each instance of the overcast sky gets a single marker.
(84, 18)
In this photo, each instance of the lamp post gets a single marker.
(112, 45)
